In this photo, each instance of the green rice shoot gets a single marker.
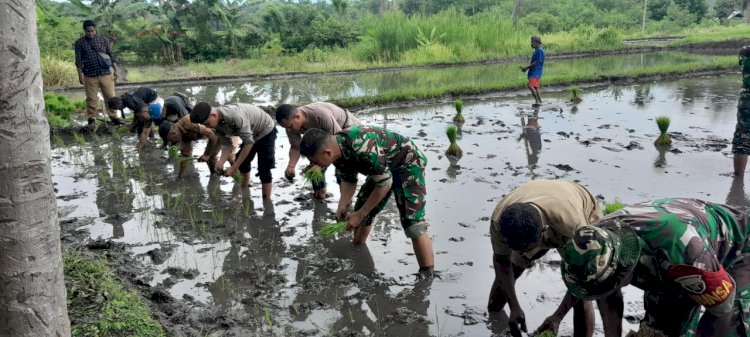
(173, 152)
(237, 177)
(459, 118)
(332, 229)
(663, 123)
(79, 138)
(611, 207)
(186, 159)
(546, 333)
(575, 93)
(453, 148)
(314, 175)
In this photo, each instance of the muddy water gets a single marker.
(310, 89)
(262, 269)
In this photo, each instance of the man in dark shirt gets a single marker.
(92, 52)
(146, 107)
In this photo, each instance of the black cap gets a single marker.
(200, 112)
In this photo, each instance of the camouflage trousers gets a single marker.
(741, 139)
(410, 192)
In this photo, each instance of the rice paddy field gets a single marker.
(214, 259)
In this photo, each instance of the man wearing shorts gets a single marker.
(535, 67)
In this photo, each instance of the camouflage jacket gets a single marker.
(745, 66)
(377, 153)
(686, 244)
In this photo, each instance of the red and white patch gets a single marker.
(708, 288)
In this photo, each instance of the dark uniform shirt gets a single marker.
(87, 55)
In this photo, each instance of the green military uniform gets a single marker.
(684, 254)
(741, 139)
(386, 158)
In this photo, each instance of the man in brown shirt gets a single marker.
(184, 132)
(319, 115)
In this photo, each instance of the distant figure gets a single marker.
(741, 140)
(146, 106)
(535, 68)
(535, 217)
(257, 130)
(319, 115)
(93, 59)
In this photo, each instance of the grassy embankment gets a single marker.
(100, 305)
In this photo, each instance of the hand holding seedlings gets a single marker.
(230, 171)
(332, 229)
(354, 219)
(313, 174)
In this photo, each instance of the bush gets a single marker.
(543, 22)
(58, 73)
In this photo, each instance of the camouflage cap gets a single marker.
(596, 259)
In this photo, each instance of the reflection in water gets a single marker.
(321, 88)
(661, 160)
(532, 137)
(737, 196)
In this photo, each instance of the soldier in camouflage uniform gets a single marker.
(683, 253)
(741, 139)
(393, 165)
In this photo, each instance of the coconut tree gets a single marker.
(32, 289)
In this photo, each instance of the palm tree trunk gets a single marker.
(516, 12)
(32, 289)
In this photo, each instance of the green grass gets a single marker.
(332, 229)
(60, 110)
(713, 34)
(453, 148)
(79, 138)
(571, 76)
(101, 304)
(57, 72)
(610, 207)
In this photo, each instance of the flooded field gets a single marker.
(221, 262)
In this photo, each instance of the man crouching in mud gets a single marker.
(536, 216)
(393, 165)
(683, 253)
(184, 133)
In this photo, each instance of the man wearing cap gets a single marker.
(93, 58)
(536, 216)
(184, 133)
(683, 253)
(256, 129)
(146, 106)
(319, 115)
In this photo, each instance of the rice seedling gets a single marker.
(453, 149)
(663, 124)
(186, 159)
(267, 316)
(575, 93)
(459, 118)
(79, 138)
(610, 207)
(173, 152)
(314, 175)
(547, 333)
(237, 177)
(332, 229)
(59, 142)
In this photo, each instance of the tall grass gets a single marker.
(60, 110)
(58, 73)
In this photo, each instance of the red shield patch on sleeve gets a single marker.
(708, 288)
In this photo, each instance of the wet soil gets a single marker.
(214, 259)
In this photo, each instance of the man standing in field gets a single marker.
(533, 218)
(741, 139)
(393, 165)
(319, 115)
(93, 59)
(535, 68)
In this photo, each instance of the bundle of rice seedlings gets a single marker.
(459, 118)
(453, 149)
(575, 92)
(173, 152)
(332, 229)
(237, 177)
(645, 331)
(547, 333)
(610, 207)
(663, 124)
(314, 175)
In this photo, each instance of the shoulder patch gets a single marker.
(692, 283)
(707, 288)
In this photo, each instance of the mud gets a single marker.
(215, 260)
